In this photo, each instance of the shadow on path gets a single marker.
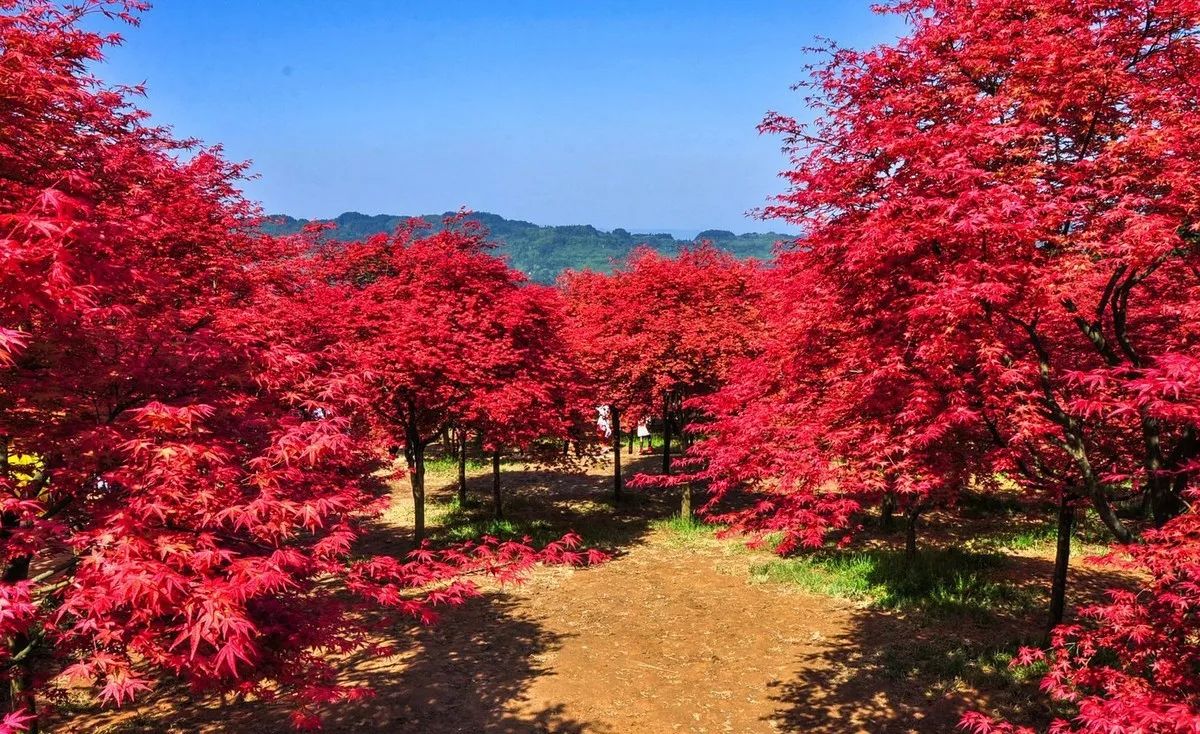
(460, 676)
(891, 672)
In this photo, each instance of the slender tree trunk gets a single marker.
(462, 469)
(414, 453)
(1109, 517)
(629, 445)
(666, 456)
(1062, 558)
(887, 511)
(910, 534)
(418, 491)
(497, 504)
(685, 501)
(1165, 502)
(20, 686)
(618, 485)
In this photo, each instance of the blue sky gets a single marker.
(619, 114)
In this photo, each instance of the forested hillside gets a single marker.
(542, 252)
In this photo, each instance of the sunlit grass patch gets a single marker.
(1089, 534)
(447, 464)
(686, 530)
(539, 530)
(459, 523)
(938, 581)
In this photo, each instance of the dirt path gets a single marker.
(671, 635)
(667, 641)
(662, 639)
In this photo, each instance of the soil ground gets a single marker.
(673, 634)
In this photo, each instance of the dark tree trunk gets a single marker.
(629, 445)
(887, 511)
(910, 533)
(666, 456)
(497, 504)
(414, 454)
(1185, 450)
(462, 469)
(1062, 558)
(1165, 501)
(1109, 517)
(616, 439)
(418, 492)
(20, 687)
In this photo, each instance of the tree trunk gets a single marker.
(462, 469)
(418, 492)
(20, 687)
(629, 445)
(910, 534)
(1165, 502)
(1185, 450)
(497, 505)
(616, 439)
(887, 511)
(1062, 557)
(414, 454)
(666, 456)
(685, 501)
(1109, 517)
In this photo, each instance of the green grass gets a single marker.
(939, 582)
(446, 464)
(1089, 531)
(685, 530)
(459, 523)
(539, 530)
(939, 664)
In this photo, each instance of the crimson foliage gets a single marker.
(183, 462)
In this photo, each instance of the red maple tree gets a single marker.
(1131, 665)
(180, 476)
(439, 334)
(998, 271)
(659, 331)
(534, 398)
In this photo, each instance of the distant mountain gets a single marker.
(542, 252)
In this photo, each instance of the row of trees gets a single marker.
(198, 421)
(195, 418)
(657, 332)
(998, 286)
